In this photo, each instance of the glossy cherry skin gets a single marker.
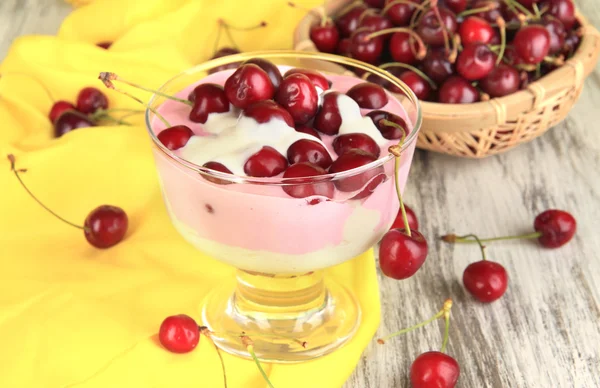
(475, 62)
(302, 187)
(502, 81)
(375, 22)
(343, 47)
(457, 90)
(390, 132)
(411, 217)
(556, 226)
(247, 85)
(431, 31)
(217, 167)
(179, 334)
(328, 119)
(368, 95)
(208, 98)
(314, 76)
(223, 52)
(269, 68)
(299, 97)
(105, 226)
(485, 280)
(361, 141)
(491, 15)
(350, 160)
(532, 43)
(437, 65)
(403, 48)
(434, 370)
(309, 151)
(58, 108)
(416, 83)
(563, 10)
(557, 32)
(399, 13)
(265, 163)
(475, 30)
(401, 255)
(89, 100)
(456, 6)
(70, 121)
(365, 49)
(325, 37)
(265, 111)
(348, 22)
(511, 57)
(175, 137)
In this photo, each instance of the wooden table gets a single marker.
(545, 332)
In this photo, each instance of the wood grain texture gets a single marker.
(545, 332)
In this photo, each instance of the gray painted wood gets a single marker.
(545, 332)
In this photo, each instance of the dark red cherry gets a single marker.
(502, 81)
(105, 226)
(348, 22)
(416, 83)
(70, 121)
(223, 52)
(411, 217)
(217, 167)
(401, 255)
(265, 163)
(247, 85)
(402, 48)
(309, 151)
(350, 141)
(89, 100)
(437, 65)
(328, 119)
(264, 111)
(430, 29)
(556, 226)
(528, 3)
(325, 37)
(365, 49)
(399, 13)
(375, 22)
(485, 280)
(303, 188)
(532, 43)
(105, 45)
(571, 44)
(175, 137)
(511, 57)
(457, 90)
(207, 98)
(350, 160)
(475, 61)
(58, 108)
(493, 12)
(269, 68)
(179, 334)
(557, 32)
(375, 3)
(368, 95)
(390, 132)
(475, 30)
(314, 76)
(456, 6)
(343, 47)
(434, 369)
(563, 10)
(308, 131)
(299, 96)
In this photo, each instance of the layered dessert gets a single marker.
(281, 170)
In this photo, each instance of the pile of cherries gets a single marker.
(66, 116)
(455, 51)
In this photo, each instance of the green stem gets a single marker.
(250, 349)
(407, 2)
(418, 325)
(222, 364)
(479, 241)
(113, 119)
(502, 26)
(446, 330)
(538, 14)
(157, 92)
(411, 68)
(444, 29)
(529, 236)
(477, 10)
(521, 7)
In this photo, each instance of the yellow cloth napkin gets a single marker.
(75, 316)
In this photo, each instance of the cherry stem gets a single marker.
(366, 12)
(349, 8)
(438, 16)
(208, 334)
(108, 77)
(411, 68)
(468, 12)
(479, 242)
(48, 93)
(12, 160)
(538, 14)
(413, 35)
(113, 119)
(396, 150)
(416, 16)
(521, 8)
(452, 238)
(502, 24)
(446, 310)
(249, 344)
(407, 2)
(558, 61)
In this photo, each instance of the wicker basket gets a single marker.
(492, 127)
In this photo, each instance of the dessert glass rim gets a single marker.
(291, 54)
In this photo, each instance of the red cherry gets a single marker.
(457, 90)
(374, 22)
(368, 95)
(207, 98)
(328, 118)
(475, 61)
(456, 6)
(563, 10)
(475, 30)
(303, 188)
(403, 48)
(269, 68)
(502, 81)
(343, 47)
(248, 84)
(350, 160)
(413, 222)
(265, 111)
(309, 151)
(104, 45)
(325, 37)
(511, 57)
(390, 132)
(510, 15)
(314, 76)
(437, 65)
(399, 13)
(179, 333)
(298, 95)
(58, 108)
(70, 121)
(105, 226)
(175, 137)
(401, 255)
(365, 49)
(374, 3)
(348, 22)
(556, 226)
(308, 131)
(485, 280)
(434, 369)
(532, 43)
(223, 52)
(492, 14)
(217, 167)
(90, 100)
(557, 32)
(430, 29)
(416, 83)
(571, 44)
(345, 143)
(265, 163)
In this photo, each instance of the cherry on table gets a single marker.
(485, 280)
(437, 65)
(314, 76)
(457, 90)
(475, 30)
(299, 96)
(416, 83)
(325, 36)
(411, 217)
(247, 85)
(364, 48)
(105, 226)
(265, 111)
(350, 160)
(175, 137)
(399, 13)
(557, 227)
(216, 166)
(368, 95)
(58, 108)
(303, 188)
(563, 10)
(361, 141)
(179, 333)
(375, 22)
(309, 151)
(390, 132)
(89, 100)
(475, 61)
(328, 119)
(267, 162)
(502, 81)
(532, 43)
(430, 29)
(348, 22)
(269, 68)
(207, 98)
(434, 369)
(70, 121)
(401, 255)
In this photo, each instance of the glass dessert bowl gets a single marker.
(254, 188)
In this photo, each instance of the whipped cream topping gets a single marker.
(354, 122)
